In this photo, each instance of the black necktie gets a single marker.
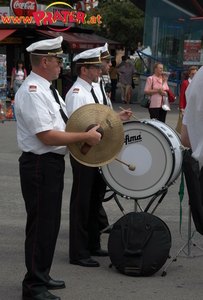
(104, 96)
(94, 96)
(63, 115)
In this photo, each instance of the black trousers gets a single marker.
(42, 181)
(102, 218)
(88, 186)
(113, 89)
(158, 113)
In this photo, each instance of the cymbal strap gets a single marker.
(85, 148)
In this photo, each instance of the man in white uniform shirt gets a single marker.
(41, 121)
(192, 128)
(87, 181)
(99, 86)
(102, 94)
(192, 137)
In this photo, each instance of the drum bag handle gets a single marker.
(135, 236)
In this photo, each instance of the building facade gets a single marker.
(174, 33)
(23, 23)
(174, 30)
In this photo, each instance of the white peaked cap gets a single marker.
(105, 52)
(50, 47)
(90, 57)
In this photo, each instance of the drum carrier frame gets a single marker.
(162, 193)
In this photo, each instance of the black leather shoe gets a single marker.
(88, 262)
(42, 296)
(99, 252)
(55, 284)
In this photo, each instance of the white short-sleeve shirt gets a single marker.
(79, 95)
(193, 116)
(37, 111)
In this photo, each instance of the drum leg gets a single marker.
(106, 199)
(121, 208)
(161, 192)
(108, 228)
(138, 205)
(118, 203)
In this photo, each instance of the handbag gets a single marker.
(145, 101)
(133, 84)
(167, 99)
(179, 124)
(11, 94)
(171, 97)
(165, 103)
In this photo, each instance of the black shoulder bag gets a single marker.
(145, 101)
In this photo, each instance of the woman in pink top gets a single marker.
(155, 87)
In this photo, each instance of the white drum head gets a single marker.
(150, 151)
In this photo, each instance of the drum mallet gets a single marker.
(131, 116)
(131, 167)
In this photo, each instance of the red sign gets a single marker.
(192, 52)
(23, 7)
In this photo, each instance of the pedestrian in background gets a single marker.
(18, 75)
(126, 73)
(113, 76)
(182, 101)
(155, 87)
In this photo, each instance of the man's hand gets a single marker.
(93, 137)
(125, 114)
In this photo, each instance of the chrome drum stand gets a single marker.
(186, 249)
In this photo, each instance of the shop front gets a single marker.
(17, 32)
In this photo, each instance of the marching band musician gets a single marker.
(102, 93)
(42, 138)
(87, 181)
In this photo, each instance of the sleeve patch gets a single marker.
(76, 90)
(32, 88)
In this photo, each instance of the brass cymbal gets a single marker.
(113, 134)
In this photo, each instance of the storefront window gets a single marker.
(167, 30)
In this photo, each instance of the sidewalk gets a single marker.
(184, 277)
(133, 95)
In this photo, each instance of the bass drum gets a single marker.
(155, 150)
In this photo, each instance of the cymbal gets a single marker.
(113, 134)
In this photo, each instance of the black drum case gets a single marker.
(139, 244)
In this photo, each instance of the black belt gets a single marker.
(45, 155)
